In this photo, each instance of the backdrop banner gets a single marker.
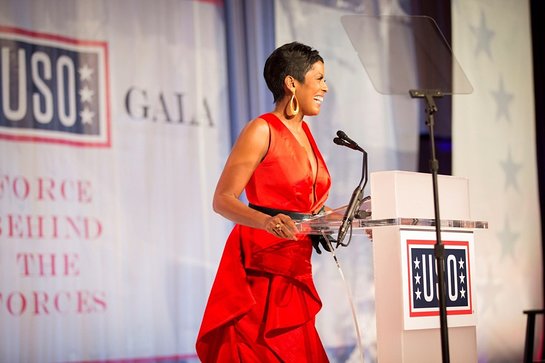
(494, 145)
(113, 131)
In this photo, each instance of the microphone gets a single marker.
(351, 143)
(357, 196)
(343, 142)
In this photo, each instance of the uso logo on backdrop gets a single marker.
(423, 287)
(53, 89)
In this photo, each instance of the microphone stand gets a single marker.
(439, 248)
(357, 195)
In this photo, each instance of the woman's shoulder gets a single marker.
(257, 125)
(255, 131)
(264, 123)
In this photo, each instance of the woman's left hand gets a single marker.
(282, 226)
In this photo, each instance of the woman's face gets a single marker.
(310, 94)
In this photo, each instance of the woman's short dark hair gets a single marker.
(292, 59)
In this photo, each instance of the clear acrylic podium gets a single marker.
(403, 224)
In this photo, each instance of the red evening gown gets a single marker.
(263, 302)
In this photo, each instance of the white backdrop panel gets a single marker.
(494, 146)
(134, 283)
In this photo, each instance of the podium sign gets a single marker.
(418, 268)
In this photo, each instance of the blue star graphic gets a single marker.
(507, 239)
(484, 37)
(503, 100)
(511, 169)
(488, 289)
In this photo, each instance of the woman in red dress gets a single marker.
(263, 302)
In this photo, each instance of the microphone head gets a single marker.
(343, 142)
(339, 141)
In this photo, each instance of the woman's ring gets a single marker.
(278, 226)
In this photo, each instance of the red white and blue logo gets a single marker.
(423, 278)
(53, 89)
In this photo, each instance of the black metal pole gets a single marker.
(439, 248)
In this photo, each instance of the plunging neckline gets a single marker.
(314, 173)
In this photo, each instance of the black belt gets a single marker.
(293, 215)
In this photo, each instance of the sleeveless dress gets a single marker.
(263, 301)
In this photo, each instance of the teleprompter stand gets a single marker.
(439, 249)
(409, 54)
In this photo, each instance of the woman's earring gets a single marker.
(293, 110)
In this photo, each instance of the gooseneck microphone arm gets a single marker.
(357, 196)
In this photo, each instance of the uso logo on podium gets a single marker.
(53, 89)
(421, 279)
